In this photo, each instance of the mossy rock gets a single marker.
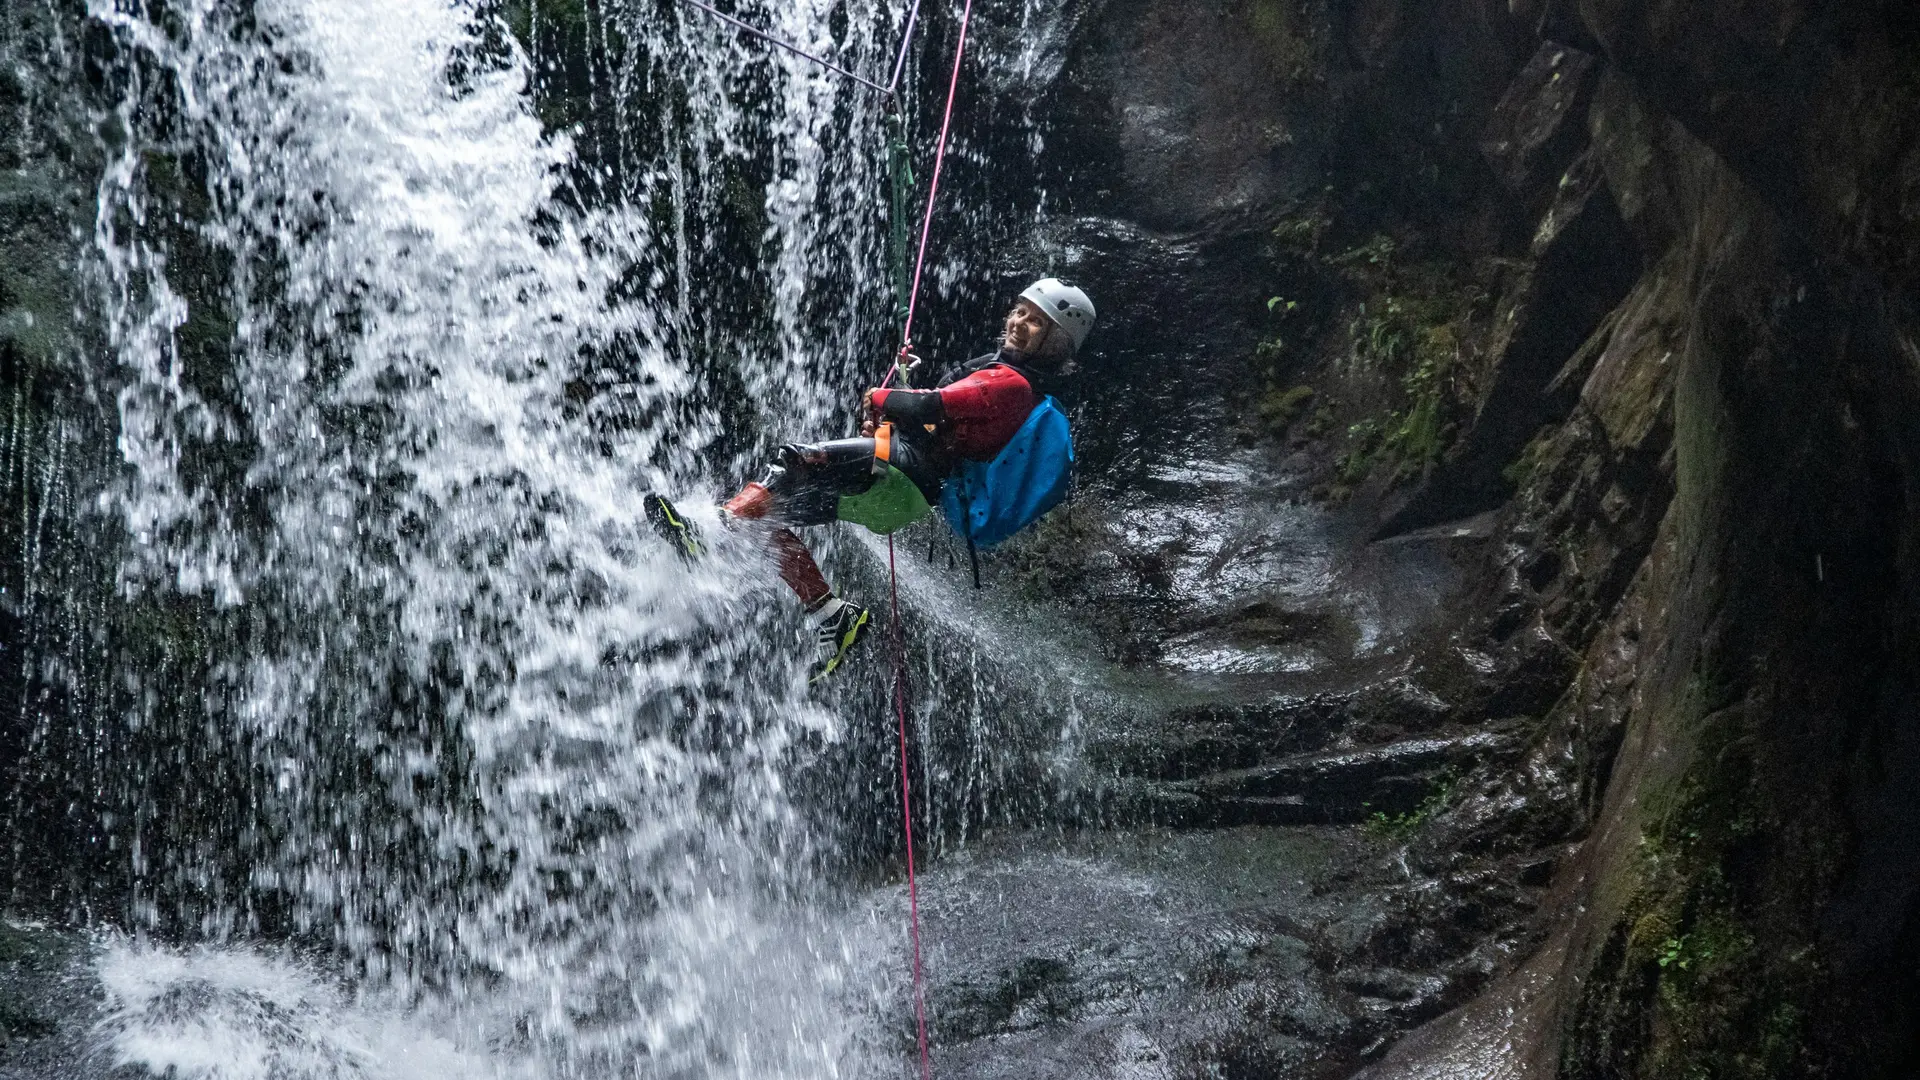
(1280, 408)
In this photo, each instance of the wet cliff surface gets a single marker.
(1481, 634)
(1533, 487)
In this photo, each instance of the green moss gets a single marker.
(1269, 355)
(1521, 469)
(1377, 253)
(1280, 408)
(1396, 335)
(1417, 439)
(1720, 1012)
(1301, 233)
(1411, 332)
(1723, 1007)
(1384, 826)
(1381, 333)
(1294, 34)
(1363, 441)
(1704, 983)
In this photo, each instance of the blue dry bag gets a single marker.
(989, 501)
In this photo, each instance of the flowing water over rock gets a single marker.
(1484, 609)
(392, 365)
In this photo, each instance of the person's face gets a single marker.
(1026, 327)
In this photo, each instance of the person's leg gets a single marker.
(799, 570)
(803, 487)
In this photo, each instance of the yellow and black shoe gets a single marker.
(672, 527)
(839, 626)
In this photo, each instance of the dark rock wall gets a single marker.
(53, 431)
(1736, 748)
(1689, 395)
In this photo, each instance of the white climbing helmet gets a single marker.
(1066, 305)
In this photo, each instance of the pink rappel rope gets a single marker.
(906, 813)
(933, 193)
(906, 340)
(893, 573)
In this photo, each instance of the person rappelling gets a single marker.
(988, 445)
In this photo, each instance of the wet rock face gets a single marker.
(1689, 596)
(1583, 264)
(1237, 952)
(1734, 432)
(1812, 104)
(1219, 110)
(1536, 131)
(51, 429)
(39, 1001)
(1199, 129)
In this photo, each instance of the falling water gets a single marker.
(390, 382)
(394, 741)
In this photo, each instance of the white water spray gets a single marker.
(513, 762)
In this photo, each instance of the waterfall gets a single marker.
(393, 361)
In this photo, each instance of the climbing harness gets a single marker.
(906, 293)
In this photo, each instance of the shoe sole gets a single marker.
(673, 528)
(848, 640)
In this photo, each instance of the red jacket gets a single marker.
(973, 417)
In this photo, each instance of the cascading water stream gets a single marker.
(501, 752)
(404, 747)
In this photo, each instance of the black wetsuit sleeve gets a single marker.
(914, 407)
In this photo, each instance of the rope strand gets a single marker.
(794, 49)
(906, 340)
(893, 572)
(906, 812)
(933, 193)
(906, 39)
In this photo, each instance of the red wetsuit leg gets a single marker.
(798, 569)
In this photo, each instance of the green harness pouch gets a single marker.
(891, 504)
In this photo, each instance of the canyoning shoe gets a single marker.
(672, 526)
(838, 627)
